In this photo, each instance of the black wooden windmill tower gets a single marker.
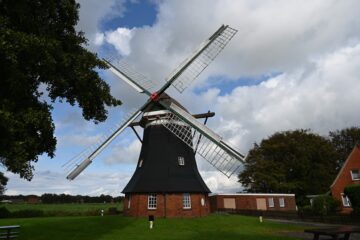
(166, 181)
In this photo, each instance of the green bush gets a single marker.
(325, 205)
(306, 210)
(4, 212)
(353, 193)
(113, 211)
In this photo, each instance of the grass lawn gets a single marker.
(73, 208)
(219, 227)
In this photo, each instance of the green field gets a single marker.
(69, 207)
(64, 209)
(219, 227)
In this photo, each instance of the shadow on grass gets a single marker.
(71, 228)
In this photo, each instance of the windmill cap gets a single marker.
(166, 98)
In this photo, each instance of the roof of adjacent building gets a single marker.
(255, 194)
(355, 153)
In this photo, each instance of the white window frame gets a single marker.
(355, 176)
(181, 161)
(282, 202)
(345, 200)
(152, 201)
(186, 201)
(271, 202)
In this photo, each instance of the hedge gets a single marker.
(325, 205)
(353, 193)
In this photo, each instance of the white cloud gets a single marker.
(219, 183)
(99, 39)
(81, 140)
(93, 12)
(120, 39)
(321, 98)
(273, 35)
(124, 154)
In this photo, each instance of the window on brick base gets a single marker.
(282, 202)
(271, 202)
(152, 201)
(345, 200)
(186, 201)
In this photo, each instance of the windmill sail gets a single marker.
(182, 124)
(211, 147)
(93, 151)
(182, 77)
(126, 72)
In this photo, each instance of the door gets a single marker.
(261, 204)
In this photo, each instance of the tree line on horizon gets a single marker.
(297, 161)
(51, 198)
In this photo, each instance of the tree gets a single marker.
(3, 182)
(297, 162)
(344, 141)
(42, 57)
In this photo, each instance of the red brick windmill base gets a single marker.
(168, 205)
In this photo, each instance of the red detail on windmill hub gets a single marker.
(154, 97)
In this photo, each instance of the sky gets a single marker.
(292, 64)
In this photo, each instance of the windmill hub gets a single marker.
(154, 97)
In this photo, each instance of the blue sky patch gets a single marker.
(226, 85)
(137, 14)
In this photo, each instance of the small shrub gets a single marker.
(113, 211)
(353, 193)
(4, 212)
(306, 210)
(325, 205)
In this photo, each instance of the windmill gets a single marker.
(166, 175)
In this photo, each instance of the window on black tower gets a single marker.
(181, 161)
(152, 201)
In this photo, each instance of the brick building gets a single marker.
(253, 201)
(348, 174)
(33, 199)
